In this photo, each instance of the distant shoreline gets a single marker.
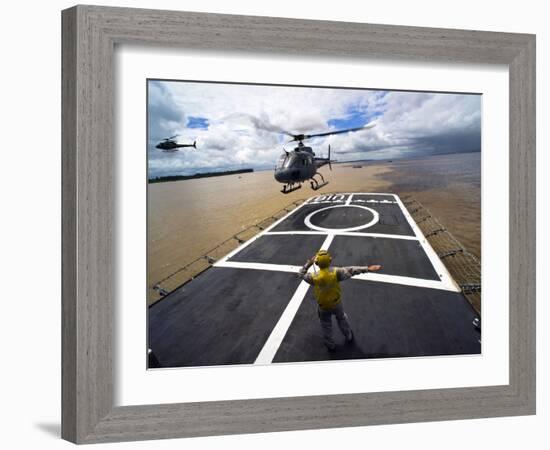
(198, 175)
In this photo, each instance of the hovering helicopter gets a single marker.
(300, 165)
(170, 145)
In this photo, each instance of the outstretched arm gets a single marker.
(345, 273)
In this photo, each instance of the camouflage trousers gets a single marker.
(325, 317)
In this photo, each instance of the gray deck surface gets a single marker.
(388, 320)
(397, 257)
(281, 249)
(228, 314)
(222, 317)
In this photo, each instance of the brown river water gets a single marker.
(187, 218)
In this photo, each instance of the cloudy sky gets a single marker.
(239, 126)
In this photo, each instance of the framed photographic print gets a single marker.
(231, 183)
(246, 304)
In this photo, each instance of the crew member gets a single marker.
(326, 290)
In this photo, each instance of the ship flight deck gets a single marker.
(252, 308)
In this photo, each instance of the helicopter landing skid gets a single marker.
(287, 188)
(314, 183)
(316, 186)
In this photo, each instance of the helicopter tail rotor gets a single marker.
(194, 145)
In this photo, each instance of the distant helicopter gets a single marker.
(300, 165)
(170, 145)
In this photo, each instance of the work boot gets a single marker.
(349, 337)
(330, 345)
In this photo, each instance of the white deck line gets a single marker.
(269, 350)
(311, 226)
(327, 242)
(331, 202)
(371, 276)
(348, 233)
(339, 198)
(405, 281)
(297, 232)
(437, 264)
(258, 266)
(372, 202)
(349, 193)
(261, 233)
(376, 202)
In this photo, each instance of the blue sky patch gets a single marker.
(197, 122)
(355, 118)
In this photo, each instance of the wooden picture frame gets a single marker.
(90, 34)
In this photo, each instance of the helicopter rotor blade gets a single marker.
(269, 127)
(263, 124)
(288, 133)
(329, 133)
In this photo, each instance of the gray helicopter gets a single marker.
(300, 165)
(170, 145)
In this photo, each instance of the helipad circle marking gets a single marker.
(374, 220)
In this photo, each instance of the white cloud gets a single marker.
(240, 117)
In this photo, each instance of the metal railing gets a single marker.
(463, 266)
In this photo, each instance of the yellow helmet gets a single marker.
(323, 259)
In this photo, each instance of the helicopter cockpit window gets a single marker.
(291, 160)
(285, 160)
(282, 160)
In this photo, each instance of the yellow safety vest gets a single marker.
(326, 288)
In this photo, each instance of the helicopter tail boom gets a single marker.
(320, 162)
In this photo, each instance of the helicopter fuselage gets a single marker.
(299, 165)
(169, 145)
(296, 166)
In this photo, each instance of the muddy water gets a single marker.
(187, 218)
(450, 187)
